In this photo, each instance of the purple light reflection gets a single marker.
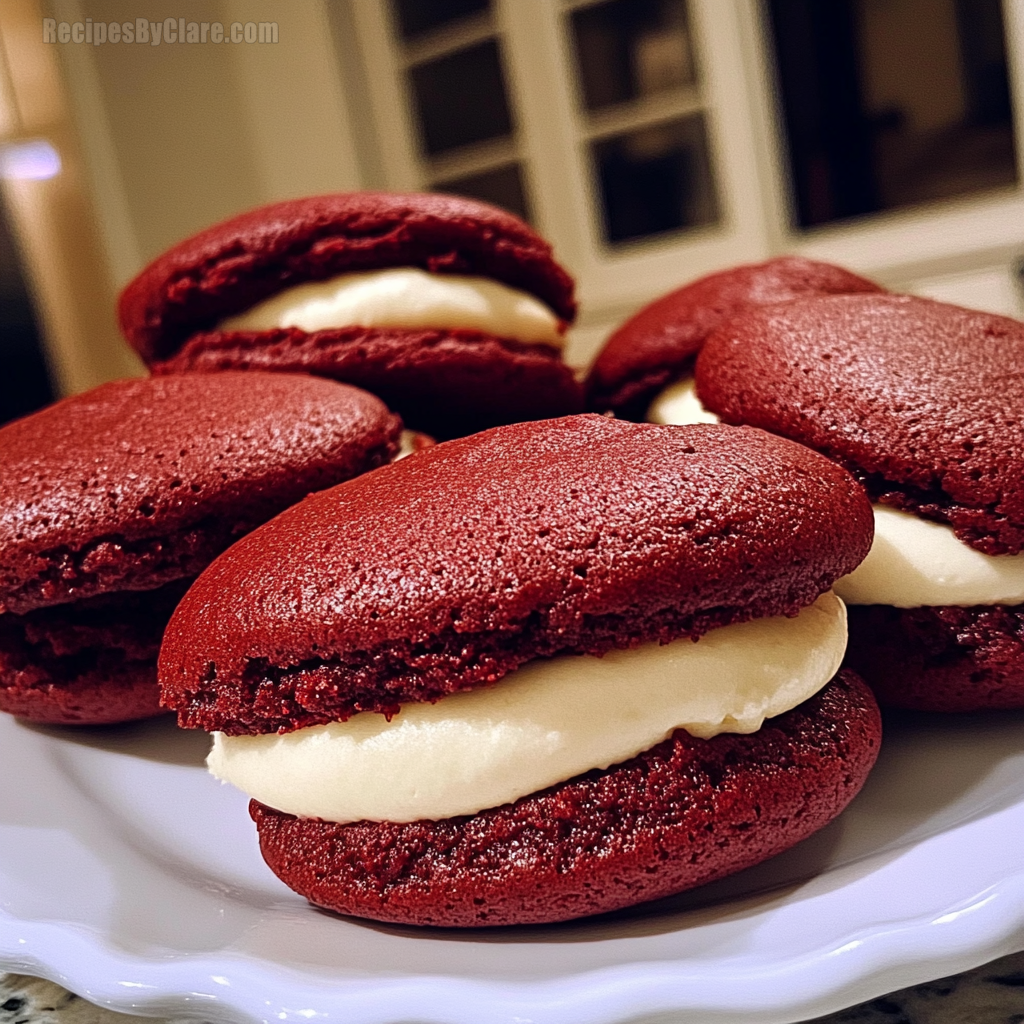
(32, 160)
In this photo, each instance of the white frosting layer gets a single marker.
(915, 563)
(405, 297)
(543, 724)
(406, 445)
(678, 404)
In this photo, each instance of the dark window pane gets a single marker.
(461, 98)
(656, 179)
(502, 186)
(418, 16)
(891, 104)
(24, 383)
(631, 48)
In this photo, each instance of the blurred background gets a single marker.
(651, 141)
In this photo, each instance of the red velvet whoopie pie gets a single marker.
(115, 499)
(658, 345)
(443, 380)
(443, 574)
(921, 401)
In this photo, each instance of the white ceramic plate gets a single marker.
(131, 877)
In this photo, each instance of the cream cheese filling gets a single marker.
(407, 445)
(406, 297)
(678, 405)
(545, 723)
(915, 563)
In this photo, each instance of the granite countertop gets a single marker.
(992, 994)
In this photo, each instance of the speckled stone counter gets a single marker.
(993, 994)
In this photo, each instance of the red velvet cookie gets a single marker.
(684, 813)
(449, 570)
(443, 382)
(576, 535)
(915, 398)
(114, 497)
(658, 345)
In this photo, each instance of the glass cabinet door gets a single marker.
(889, 105)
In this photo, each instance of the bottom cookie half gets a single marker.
(91, 662)
(446, 383)
(940, 659)
(686, 812)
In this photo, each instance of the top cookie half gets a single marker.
(658, 345)
(923, 401)
(450, 569)
(140, 482)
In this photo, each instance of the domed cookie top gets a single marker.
(231, 266)
(450, 569)
(922, 400)
(139, 482)
(657, 345)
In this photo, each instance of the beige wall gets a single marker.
(200, 132)
(174, 114)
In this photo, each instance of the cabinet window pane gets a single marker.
(502, 186)
(418, 16)
(890, 103)
(627, 49)
(656, 179)
(460, 98)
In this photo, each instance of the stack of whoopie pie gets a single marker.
(553, 668)
(114, 500)
(450, 310)
(118, 498)
(464, 689)
(922, 401)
